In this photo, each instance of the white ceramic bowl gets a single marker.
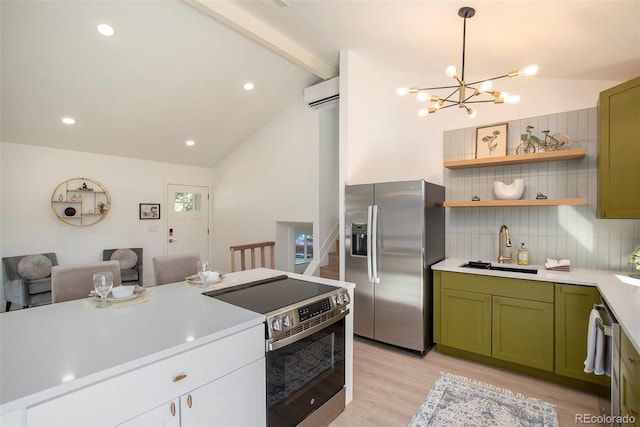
(122, 291)
(512, 191)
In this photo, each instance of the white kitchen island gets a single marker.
(70, 364)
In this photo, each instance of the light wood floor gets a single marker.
(390, 384)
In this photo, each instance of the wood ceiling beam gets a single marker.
(247, 24)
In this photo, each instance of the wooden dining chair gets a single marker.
(262, 247)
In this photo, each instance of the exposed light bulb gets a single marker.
(512, 99)
(190, 143)
(401, 91)
(248, 86)
(106, 30)
(526, 71)
(471, 113)
(486, 86)
(68, 121)
(451, 71)
(423, 96)
(423, 112)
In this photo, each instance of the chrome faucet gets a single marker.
(501, 258)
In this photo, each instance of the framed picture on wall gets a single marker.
(491, 141)
(149, 210)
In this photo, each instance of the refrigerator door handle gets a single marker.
(369, 252)
(374, 245)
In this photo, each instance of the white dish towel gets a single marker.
(595, 346)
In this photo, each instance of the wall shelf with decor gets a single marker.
(549, 156)
(80, 202)
(524, 202)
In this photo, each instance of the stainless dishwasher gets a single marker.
(611, 330)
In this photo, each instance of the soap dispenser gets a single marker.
(523, 255)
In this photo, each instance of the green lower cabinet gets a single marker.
(573, 306)
(466, 321)
(523, 332)
(629, 396)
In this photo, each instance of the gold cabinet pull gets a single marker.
(189, 401)
(173, 409)
(179, 378)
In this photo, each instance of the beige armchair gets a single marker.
(28, 279)
(75, 281)
(174, 268)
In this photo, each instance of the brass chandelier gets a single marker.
(463, 88)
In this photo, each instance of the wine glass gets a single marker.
(204, 268)
(102, 283)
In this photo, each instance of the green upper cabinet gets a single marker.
(619, 151)
(573, 306)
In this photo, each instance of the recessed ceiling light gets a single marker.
(190, 142)
(106, 30)
(248, 86)
(68, 121)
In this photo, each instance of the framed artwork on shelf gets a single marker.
(491, 141)
(149, 210)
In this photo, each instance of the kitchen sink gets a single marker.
(489, 266)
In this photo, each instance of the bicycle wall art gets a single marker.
(491, 141)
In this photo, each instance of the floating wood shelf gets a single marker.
(549, 156)
(524, 202)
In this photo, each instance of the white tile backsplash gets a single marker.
(571, 232)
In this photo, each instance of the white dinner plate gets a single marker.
(214, 277)
(110, 297)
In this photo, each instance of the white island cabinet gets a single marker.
(180, 358)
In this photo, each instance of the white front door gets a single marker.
(188, 220)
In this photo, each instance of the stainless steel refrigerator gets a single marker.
(394, 233)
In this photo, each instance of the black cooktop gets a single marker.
(265, 296)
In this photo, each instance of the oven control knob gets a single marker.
(345, 298)
(338, 299)
(288, 321)
(277, 325)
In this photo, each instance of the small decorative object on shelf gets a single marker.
(73, 198)
(511, 191)
(70, 211)
(475, 198)
(541, 196)
(60, 197)
(101, 207)
(634, 261)
(531, 144)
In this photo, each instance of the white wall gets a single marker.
(29, 174)
(271, 177)
(387, 141)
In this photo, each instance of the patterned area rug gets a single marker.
(458, 401)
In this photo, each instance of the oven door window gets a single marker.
(303, 375)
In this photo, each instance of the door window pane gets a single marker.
(187, 202)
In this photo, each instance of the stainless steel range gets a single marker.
(304, 345)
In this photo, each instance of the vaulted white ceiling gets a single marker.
(173, 72)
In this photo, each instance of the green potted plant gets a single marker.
(101, 207)
(634, 261)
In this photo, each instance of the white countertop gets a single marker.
(619, 291)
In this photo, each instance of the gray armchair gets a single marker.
(28, 279)
(130, 265)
